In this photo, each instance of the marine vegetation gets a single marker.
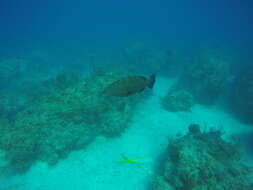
(202, 161)
(205, 78)
(66, 119)
(242, 95)
(177, 100)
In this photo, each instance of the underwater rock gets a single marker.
(202, 160)
(63, 80)
(242, 95)
(11, 103)
(178, 100)
(67, 119)
(205, 78)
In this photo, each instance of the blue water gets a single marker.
(57, 23)
(45, 46)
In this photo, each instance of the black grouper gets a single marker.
(129, 85)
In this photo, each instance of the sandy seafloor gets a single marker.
(97, 167)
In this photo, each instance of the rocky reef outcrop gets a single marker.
(205, 78)
(65, 119)
(178, 100)
(242, 95)
(202, 161)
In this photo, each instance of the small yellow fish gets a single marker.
(126, 160)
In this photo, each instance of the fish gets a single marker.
(129, 85)
(126, 160)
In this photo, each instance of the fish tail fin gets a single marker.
(151, 81)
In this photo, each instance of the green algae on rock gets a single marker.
(202, 160)
(242, 95)
(178, 100)
(66, 120)
(205, 78)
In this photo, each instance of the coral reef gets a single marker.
(202, 160)
(205, 78)
(242, 95)
(67, 119)
(178, 100)
(11, 103)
